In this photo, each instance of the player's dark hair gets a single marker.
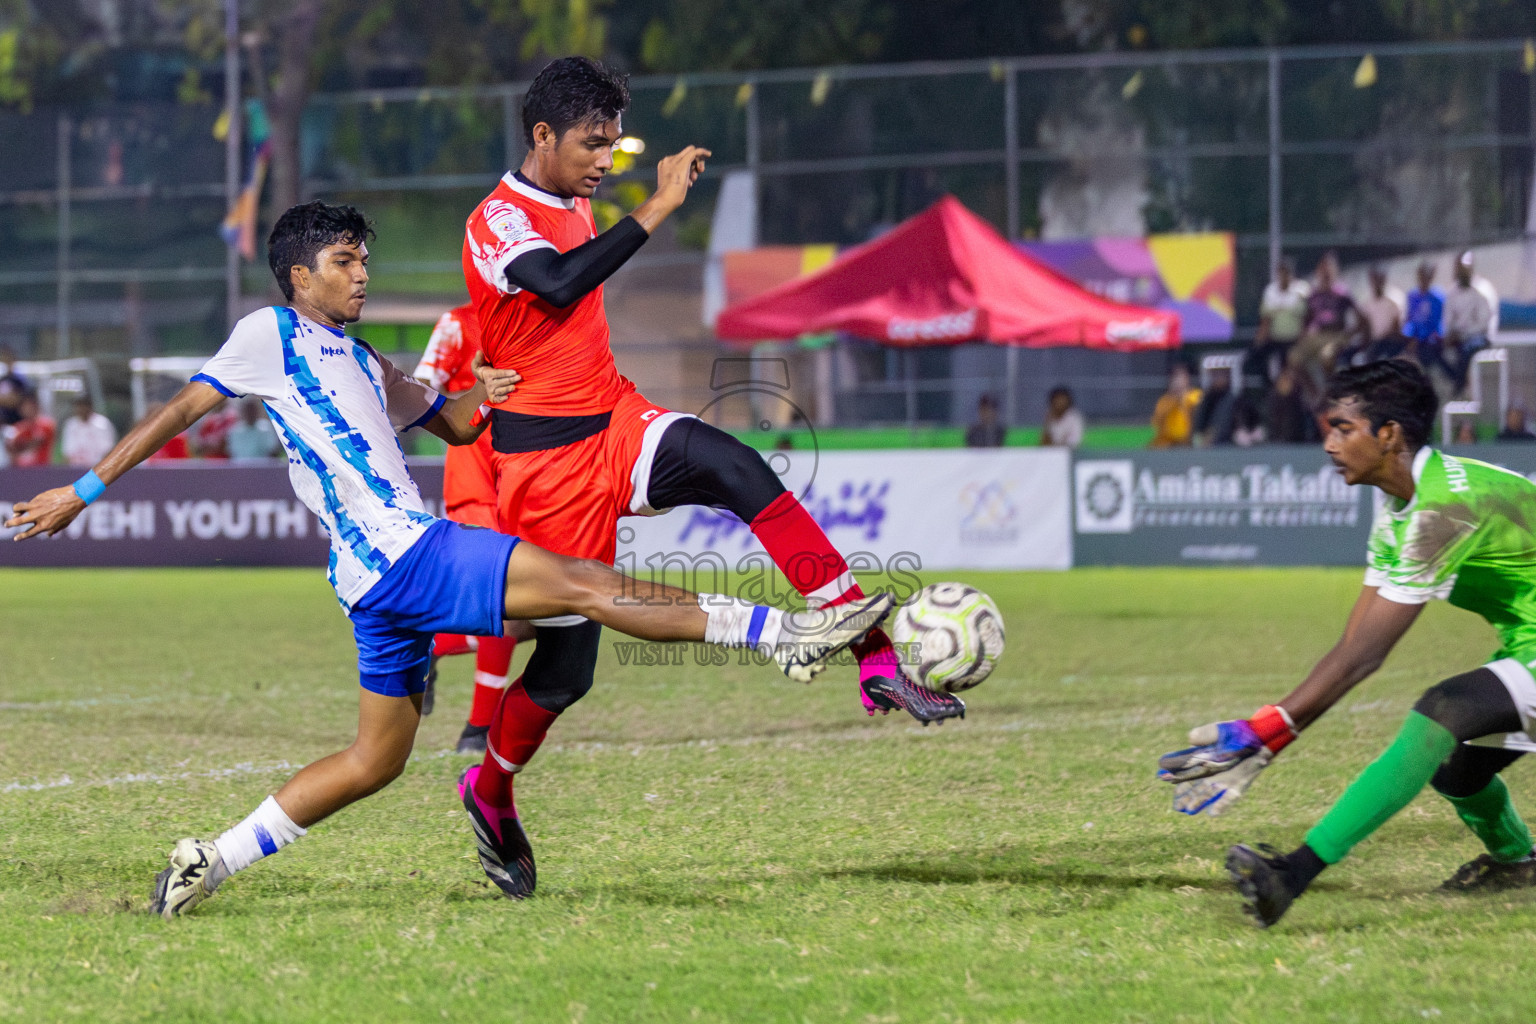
(572, 91)
(301, 232)
(1389, 391)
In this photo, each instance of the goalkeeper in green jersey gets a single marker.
(1448, 528)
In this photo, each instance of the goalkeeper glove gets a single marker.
(1222, 746)
(1213, 794)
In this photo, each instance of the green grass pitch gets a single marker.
(720, 845)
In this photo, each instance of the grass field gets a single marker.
(720, 845)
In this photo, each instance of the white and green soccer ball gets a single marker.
(950, 636)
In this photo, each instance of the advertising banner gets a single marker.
(1001, 508)
(193, 513)
(993, 509)
(1271, 505)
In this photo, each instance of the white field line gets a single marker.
(88, 702)
(1131, 720)
(1135, 720)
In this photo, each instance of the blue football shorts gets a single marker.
(452, 580)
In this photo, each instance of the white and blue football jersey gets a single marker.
(338, 407)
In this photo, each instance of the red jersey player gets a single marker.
(469, 496)
(576, 446)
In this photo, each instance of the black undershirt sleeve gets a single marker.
(560, 278)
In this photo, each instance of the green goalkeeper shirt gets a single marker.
(1468, 536)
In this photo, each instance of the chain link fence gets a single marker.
(111, 213)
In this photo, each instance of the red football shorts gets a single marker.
(569, 499)
(469, 483)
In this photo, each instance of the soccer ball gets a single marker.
(950, 636)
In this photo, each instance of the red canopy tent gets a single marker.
(942, 278)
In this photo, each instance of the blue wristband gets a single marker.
(90, 487)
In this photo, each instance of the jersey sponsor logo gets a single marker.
(507, 227)
(327, 350)
(508, 223)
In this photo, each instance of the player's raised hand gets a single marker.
(498, 383)
(676, 174)
(48, 513)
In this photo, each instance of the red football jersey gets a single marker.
(563, 354)
(445, 365)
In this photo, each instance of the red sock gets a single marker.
(491, 663)
(517, 729)
(446, 645)
(800, 548)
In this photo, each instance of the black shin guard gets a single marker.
(560, 671)
(1470, 705)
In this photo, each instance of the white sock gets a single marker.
(737, 623)
(267, 830)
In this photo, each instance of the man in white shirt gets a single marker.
(401, 574)
(1063, 422)
(1282, 312)
(88, 435)
(1468, 322)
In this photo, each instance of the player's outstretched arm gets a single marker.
(460, 420)
(1227, 756)
(52, 511)
(1375, 626)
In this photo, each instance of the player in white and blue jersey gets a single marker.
(401, 574)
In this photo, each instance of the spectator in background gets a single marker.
(1249, 428)
(1466, 432)
(1216, 416)
(210, 438)
(1327, 327)
(252, 436)
(1468, 322)
(29, 441)
(1383, 335)
(88, 435)
(987, 431)
(1287, 418)
(1173, 420)
(1282, 311)
(174, 450)
(1426, 312)
(1063, 425)
(1514, 426)
(13, 387)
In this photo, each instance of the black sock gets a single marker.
(1302, 865)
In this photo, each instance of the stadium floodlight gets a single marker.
(632, 145)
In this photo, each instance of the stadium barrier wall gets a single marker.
(902, 510)
(187, 514)
(1005, 508)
